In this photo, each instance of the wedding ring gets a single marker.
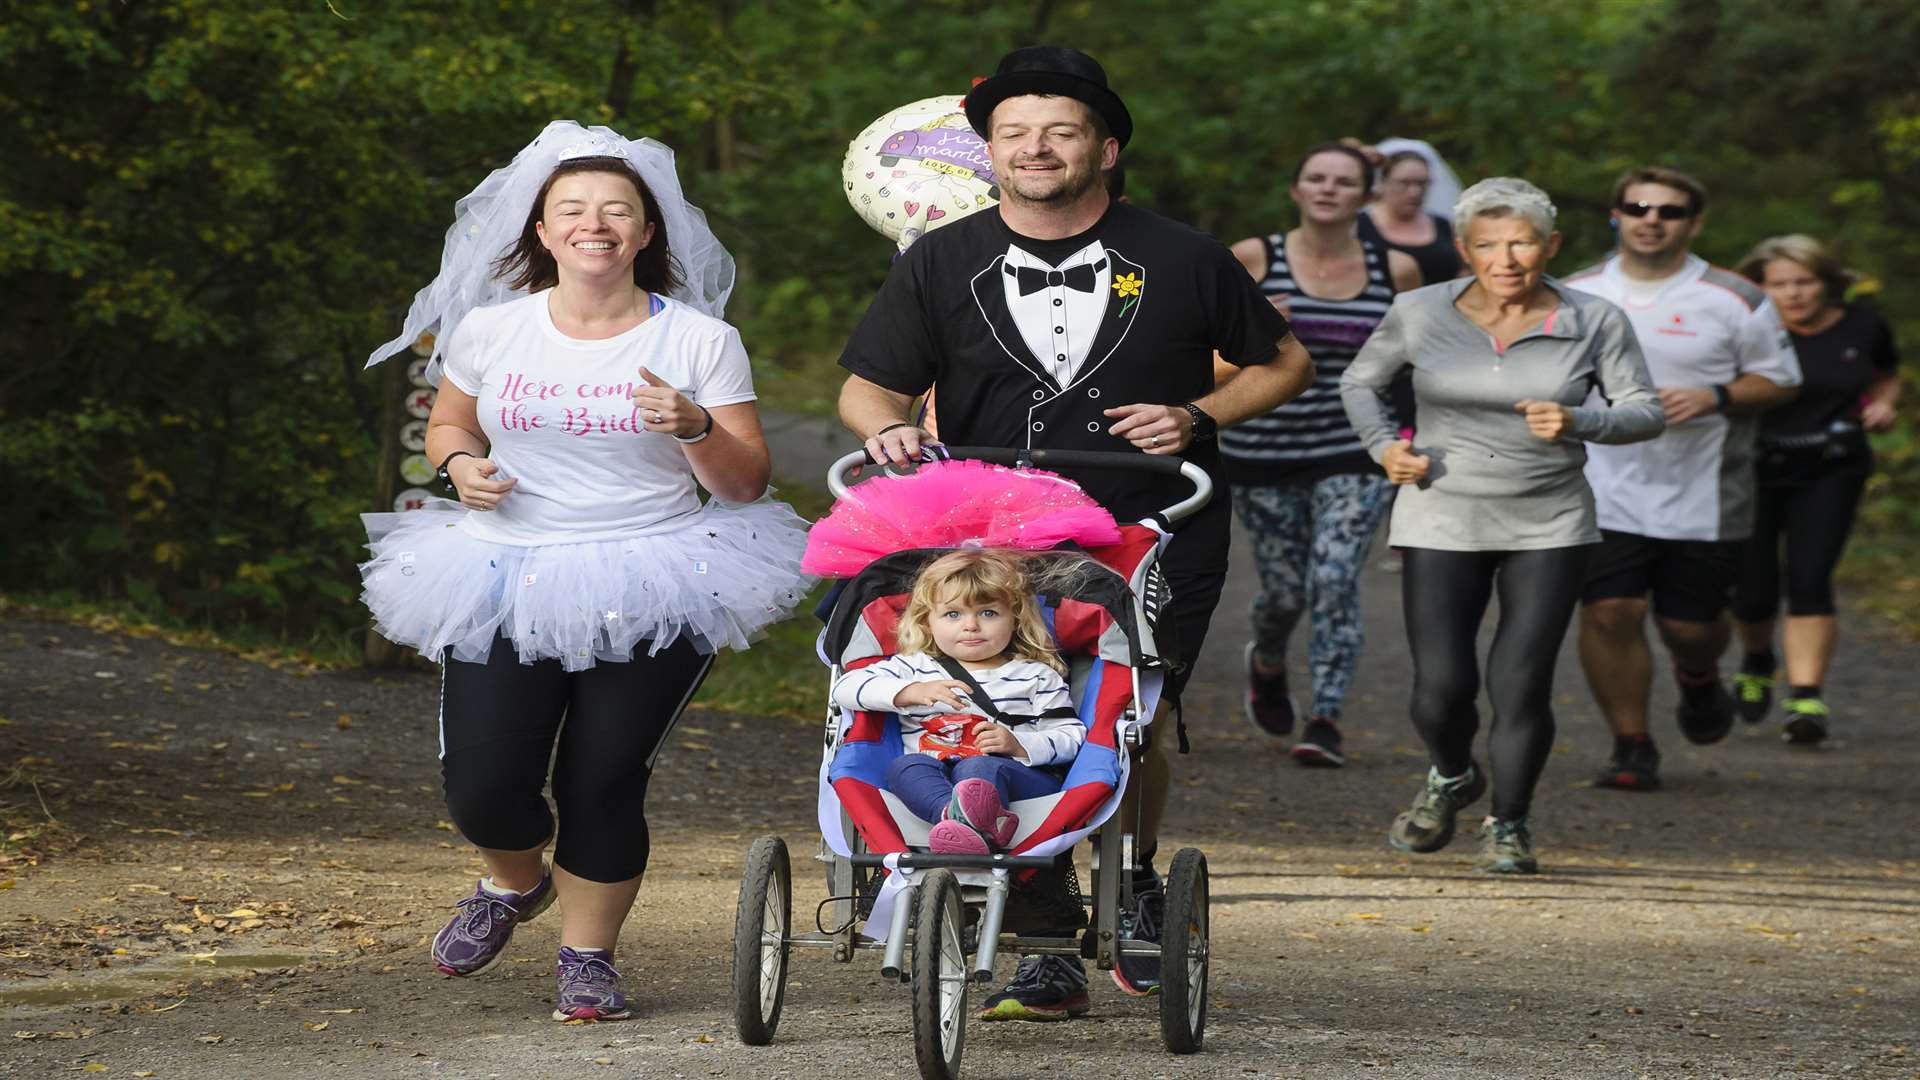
(654, 417)
(1154, 441)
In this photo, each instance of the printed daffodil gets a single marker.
(1127, 285)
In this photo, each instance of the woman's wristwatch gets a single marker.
(442, 473)
(1204, 426)
(689, 440)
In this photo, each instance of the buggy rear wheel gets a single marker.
(1184, 944)
(939, 977)
(760, 930)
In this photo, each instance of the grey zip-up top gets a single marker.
(1493, 485)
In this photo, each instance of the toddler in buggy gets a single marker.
(939, 917)
(984, 712)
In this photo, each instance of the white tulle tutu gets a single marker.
(720, 580)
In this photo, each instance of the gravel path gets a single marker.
(250, 861)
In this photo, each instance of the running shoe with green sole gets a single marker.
(1806, 720)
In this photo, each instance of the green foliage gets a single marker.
(215, 208)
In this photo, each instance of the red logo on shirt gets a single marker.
(1676, 328)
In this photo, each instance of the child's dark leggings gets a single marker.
(500, 721)
(925, 783)
(1445, 594)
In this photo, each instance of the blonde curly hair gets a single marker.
(975, 577)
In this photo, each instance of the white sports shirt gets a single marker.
(1703, 326)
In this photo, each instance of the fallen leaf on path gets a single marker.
(315, 1025)
(1363, 915)
(210, 1038)
(93, 1066)
(239, 913)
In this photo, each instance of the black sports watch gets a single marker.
(1204, 426)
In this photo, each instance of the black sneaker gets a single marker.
(1269, 706)
(1140, 975)
(1635, 765)
(1043, 988)
(1319, 745)
(1806, 720)
(1706, 711)
(1429, 824)
(1752, 695)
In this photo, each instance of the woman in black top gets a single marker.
(1813, 464)
(1395, 218)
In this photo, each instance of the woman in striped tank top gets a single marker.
(1303, 484)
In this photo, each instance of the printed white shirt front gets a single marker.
(1702, 327)
(1056, 317)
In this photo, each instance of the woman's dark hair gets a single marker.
(529, 266)
(1366, 167)
(1401, 157)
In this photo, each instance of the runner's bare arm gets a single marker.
(1258, 389)
(866, 407)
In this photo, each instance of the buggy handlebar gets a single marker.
(1060, 459)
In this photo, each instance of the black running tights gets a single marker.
(1445, 594)
(500, 721)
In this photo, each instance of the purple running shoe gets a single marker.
(478, 933)
(589, 987)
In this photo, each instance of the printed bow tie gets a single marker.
(1073, 277)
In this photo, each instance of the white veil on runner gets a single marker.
(1445, 190)
(488, 221)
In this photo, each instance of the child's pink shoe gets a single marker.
(956, 838)
(976, 804)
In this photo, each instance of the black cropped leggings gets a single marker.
(1445, 595)
(1814, 519)
(499, 725)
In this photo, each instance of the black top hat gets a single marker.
(1049, 69)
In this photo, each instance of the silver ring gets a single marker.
(655, 415)
(1154, 441)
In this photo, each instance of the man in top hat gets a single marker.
(1068, 321)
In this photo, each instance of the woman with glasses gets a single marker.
(1492, 497)
(1302, 483)
(1396, 219)
(1813, 465)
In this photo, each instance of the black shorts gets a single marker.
(1690, 580)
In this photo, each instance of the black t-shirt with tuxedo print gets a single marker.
(1027, 342)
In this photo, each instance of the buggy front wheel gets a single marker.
(1185, 939)
(939, 977)
(760, 931)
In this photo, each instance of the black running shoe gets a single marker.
(1706, 711)
(1043, 988)
(1753, 695)
(1319, 745)
(1140, 975)
(1806, 720)
(1269, 706)
(1635, 765)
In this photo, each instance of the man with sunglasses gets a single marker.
(1674, 510)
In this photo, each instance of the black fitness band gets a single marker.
(441, 472)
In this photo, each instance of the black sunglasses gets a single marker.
(1664, 211)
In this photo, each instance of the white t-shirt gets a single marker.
(558, 415)
(1703, 326)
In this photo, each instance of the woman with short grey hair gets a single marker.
(1512, 373)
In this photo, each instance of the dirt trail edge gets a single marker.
(246, 865)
